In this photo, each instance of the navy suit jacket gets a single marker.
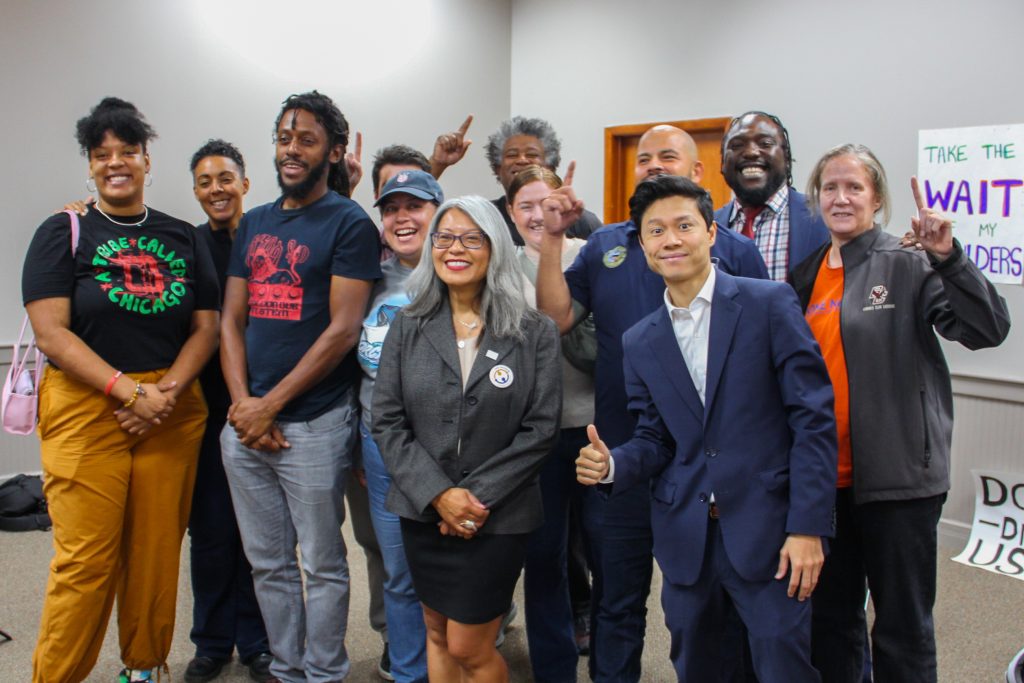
(764, 442)
(807, 232)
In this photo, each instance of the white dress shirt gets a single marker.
(691, 326)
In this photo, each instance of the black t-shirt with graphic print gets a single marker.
(289, 257)
(132, 288)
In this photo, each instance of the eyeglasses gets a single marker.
(470, 240)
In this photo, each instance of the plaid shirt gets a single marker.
(771, 232)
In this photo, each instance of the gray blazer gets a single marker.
(421, 414)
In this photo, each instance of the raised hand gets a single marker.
(354, 163)
(562, 208)
(449, 148)
(592, 465)
(934, 231)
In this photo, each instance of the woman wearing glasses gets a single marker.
(465, 407)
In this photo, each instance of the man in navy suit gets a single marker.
(736, 434)
(757, 164)
(610, 279)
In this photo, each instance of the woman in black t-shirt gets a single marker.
(127, 320)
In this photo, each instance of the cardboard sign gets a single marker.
(997, 535)
(976, 176)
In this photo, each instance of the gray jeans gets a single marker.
(294, 497)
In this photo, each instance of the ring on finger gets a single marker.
(468, 524)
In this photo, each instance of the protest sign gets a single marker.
(976, 176)
(997, 535)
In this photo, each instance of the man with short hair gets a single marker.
(299, 279)
(225, 612)
(739, 503)
(610, 278)
(521, 142)
(757, 164)
(394, 158)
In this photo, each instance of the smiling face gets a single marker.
(847, 198)
(119, 171)
(666, 150)
(519, 152)
(219, 185)
(754, 160)
(676, 240)
(457, 266)
(527, 214)
(302, 157)
(406, 220)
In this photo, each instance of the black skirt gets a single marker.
(468, 581)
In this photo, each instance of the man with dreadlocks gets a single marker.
(299, 277)
(757, 164)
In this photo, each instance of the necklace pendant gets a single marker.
(461, 343)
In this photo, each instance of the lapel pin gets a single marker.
(493, 355)
(501, 376)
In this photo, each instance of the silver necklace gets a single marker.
(469, 326)
(145, 215)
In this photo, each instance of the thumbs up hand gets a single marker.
(592, 465)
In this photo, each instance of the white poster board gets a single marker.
(976, 176)
(997, 535)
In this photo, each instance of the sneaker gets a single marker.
(259, 667)
(202, 669)
(132, 675)
(581, 627)
(506, 624)
(384, 665)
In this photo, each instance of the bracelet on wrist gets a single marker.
(111, 383)
(139, 391)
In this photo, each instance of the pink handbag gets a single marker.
(19, 407)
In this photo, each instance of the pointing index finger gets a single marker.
(918, 199)
(569, 173)
(465, 125)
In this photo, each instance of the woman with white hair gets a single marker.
(465, 408)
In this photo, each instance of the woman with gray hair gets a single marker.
(465, 408)
(875, 308)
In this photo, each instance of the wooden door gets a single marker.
(620, 157)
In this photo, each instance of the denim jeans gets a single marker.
(294, 497)
(549, 617)
(407, 634)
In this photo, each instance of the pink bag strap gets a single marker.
(32, 352)
(75, 231)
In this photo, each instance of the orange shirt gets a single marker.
(823, 317)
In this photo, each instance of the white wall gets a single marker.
(870, 72)
(400, 72)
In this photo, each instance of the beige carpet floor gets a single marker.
(978, 618)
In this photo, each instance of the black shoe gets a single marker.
(202, 669)
(259, 667)
(384, 665)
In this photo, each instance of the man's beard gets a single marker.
(302, 189)
(760, 195)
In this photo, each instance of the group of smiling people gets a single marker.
(431, 348)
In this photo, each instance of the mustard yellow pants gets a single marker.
(120, 505)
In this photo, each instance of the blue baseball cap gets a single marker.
(417, 183)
